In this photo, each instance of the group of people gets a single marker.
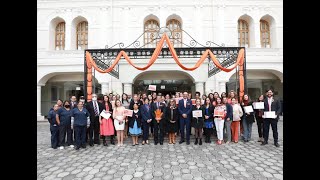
(219, 115)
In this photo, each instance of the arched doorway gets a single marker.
(167, 82)
(63, 86)
(258, 81)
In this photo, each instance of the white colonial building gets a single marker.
(66, 27)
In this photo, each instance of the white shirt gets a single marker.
(269, 102)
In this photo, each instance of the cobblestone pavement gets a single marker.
(209, 161)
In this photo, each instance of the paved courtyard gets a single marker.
(209, 161)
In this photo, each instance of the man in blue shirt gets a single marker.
(54, 128)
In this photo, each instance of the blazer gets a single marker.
(74, 106)
(229, 112)
(132, 102)
(210, 112)
(90, 109)
(162, 107)
(175, 114)
(275, 106)
(145, 113)
(133, 118)
(185, 110)
(249, 118)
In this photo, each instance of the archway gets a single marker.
(167, 82)
(258, 81)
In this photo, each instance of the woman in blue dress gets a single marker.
(135, 124)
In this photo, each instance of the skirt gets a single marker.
(135, 131)
(106, 128)
(119, 126)
(172, 127)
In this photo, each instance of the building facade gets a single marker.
(66, 28)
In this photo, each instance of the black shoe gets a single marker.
(264, 143)
(112, 142)
(105, 144)
(83, 146)
(200, 142)
(196, 142)
(188, 142)
(77, 148)
(182, 141)
(91, 144)
(155, 143)
(277, 144)
(246, 140)
(161, 143)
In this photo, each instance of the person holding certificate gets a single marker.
(258, 115)
(135, 124)
(237, 113)
(208, 119)
(106, 125)
(197, 122)
(172, 118)
(119, 121)
(158, 115)
(247, 118)
(273, 107)
(220, 112)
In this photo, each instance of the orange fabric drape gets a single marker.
(156, 53)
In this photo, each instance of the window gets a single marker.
(175, 28)
(264, 34)
(243, 33)
(82, 35)
(151, 27)
(60, 36)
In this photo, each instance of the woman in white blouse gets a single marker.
(237, 114)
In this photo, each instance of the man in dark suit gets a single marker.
(185, 109)
(73, 102)
(135, 100)
(271, 104)
(158, 125)
(95, 108)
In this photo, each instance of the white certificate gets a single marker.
(248, 109)
(258, 105)
(270, 114)
(197, 113)
(105, 114)
(128, 112)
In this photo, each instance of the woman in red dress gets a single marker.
(106, 125)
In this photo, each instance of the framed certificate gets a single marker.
(248, 109)
(128, 112)
(152, 87)
(105, 114)
(218, 112)
(269, 114)
(258, 105)
(197, 113)
(193, 101)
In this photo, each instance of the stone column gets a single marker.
(105, 87)
(222, 87)
(39, 116)
(127, 88)
(200, 87)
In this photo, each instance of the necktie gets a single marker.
(95, 109)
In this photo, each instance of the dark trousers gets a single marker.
(63, 130)
(54, 136)
(80, 132)
(151, 127)
(94, 131)
(207, 133)
(185, 122)
(145, 126)
(274, 126)
(260, 126)
(157, 127)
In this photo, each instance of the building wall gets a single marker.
(111, 22)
